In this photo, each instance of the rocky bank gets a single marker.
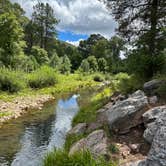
(21, 105)
(137, 130)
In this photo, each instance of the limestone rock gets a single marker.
(152, 85)
(96, 143)
(156, 135)
(78, 129)
(127, 113)
(153, 100)
(152, 121)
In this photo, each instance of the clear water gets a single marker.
(25, 141)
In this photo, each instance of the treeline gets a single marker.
(27, 44)
(142, 25)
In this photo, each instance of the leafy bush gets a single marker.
(83, 158)
(40, 55)
(128, 84)
(11, 81)
(43, 77)
(146, 66)
(98, 78)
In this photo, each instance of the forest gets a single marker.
(33, 61)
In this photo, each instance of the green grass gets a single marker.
(65, 84)
(83, 158)
(3, 114)
(88, 113)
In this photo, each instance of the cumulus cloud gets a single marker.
(78, 16)
(75, 43)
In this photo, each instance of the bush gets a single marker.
(98, 78)
(128, 84)
(43, 77)
(11, 81)
(40, 55)
(83, 158)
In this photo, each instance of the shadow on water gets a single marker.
(24, 142)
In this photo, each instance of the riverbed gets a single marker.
(26, 140)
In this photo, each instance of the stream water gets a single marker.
(25, 141)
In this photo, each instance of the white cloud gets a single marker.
(78, 16)
(75, 43)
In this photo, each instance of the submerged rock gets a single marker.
(127, 113)
(96, 143)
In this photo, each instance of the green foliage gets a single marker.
(92, 63)
(44, 20)
(102, 63)
(88, 113)
(43, 77)
(85, 67)
(11, 81)
(11, 34)
(83, 158)
(40, 55)
(162, 91)
(55, 61)
(128, 84)
(65, 67)
(105, 94)
(71, 139)
(98, 78)
(145, 66)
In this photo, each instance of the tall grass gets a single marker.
(11, 81)
(83, 158)
(42, 77)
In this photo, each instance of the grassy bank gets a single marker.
(42, 81)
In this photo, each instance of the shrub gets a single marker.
(83, 158)
(98, 78)
(40, 55)
(11, 81)
(128, 84)
(43, 77)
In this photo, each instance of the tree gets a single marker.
(102, 64)
(92, 63)
(99, 49)
(55, 61)
(85, 67)
(31, 35)
(11, 35)
(66, 65)
(40, 55)
(85, 46)
(143, 20)
(43, 16)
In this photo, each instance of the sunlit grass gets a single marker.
(82, 158)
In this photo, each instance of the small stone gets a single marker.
(153, 100)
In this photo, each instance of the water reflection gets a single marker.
(39, 138)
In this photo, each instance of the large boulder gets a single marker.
(152, 85)
(96, 143)
(127, 113)
(155, 133)
(152, 121)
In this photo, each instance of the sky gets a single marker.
(78, 18)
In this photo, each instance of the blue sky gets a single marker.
(78, 18)
(69, 36)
